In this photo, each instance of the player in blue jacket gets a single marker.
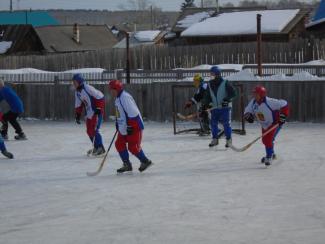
(16, 109)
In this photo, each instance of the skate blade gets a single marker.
(124, 173)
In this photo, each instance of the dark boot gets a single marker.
(21, 136)
(7, 154)
(144, 165)
(127, 167)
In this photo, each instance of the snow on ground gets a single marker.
(236, 23)
(191, 195)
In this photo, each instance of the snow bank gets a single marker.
(146, 36)
(243, 75)
(193, 19)
(246, 75)
(38, 71)
(5, 46)
(273, 21)
(221, 66)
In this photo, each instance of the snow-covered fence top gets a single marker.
(312, 71)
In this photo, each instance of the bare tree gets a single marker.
(136, 5)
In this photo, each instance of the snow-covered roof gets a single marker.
(319, 16)
(193, 19)
(146, 36)
(273, 21)
(5, 46)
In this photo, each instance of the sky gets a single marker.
(167, 5)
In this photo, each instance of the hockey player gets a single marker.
(92, 100)
(129, 125)
(16, 109)
(221, 94)
(201, 99)
(268, 112)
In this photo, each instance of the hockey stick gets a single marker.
(255, 140)
(104, 159)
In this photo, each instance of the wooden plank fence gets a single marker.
(166, 58)
(151, 76)
(56, 101)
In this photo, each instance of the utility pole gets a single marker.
(151, 16)
(128, 77)
(218, 7)
(259, 44)
(11, 9)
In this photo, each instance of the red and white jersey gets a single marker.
(87, 97)
(127, 113)
(267, 112)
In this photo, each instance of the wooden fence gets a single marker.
(165, 58)
(56, 101)
(151, 76)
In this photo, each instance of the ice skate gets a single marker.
(21, 136)
(144, 165)
(214, 142)
(7, 154)
(127, 167)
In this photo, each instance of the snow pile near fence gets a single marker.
(243, 75)
(246, 75)
(38, 71)
(238, 67)
(5, 46)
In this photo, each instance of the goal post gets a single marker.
(183, 92)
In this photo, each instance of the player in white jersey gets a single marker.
(129, 124)
(268, 112)
(92, 100)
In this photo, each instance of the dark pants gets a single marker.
(10, 117)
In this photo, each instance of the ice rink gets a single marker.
(192, 194)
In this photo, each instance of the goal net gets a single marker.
(189, 121)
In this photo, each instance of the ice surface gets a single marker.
(191, 195)
(235, 23)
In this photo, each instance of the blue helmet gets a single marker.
(79, 79)
(215, 70)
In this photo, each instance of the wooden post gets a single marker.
(128, 79)
(259, 43)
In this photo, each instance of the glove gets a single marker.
(188, 104)
(1, 116)
(97, 111)
(77, 118)
(282, 119)
(129, 130)
(225, 103)
(249, 117)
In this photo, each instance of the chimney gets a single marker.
(76, 33)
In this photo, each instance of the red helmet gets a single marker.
(115, 85)
(260, 90)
